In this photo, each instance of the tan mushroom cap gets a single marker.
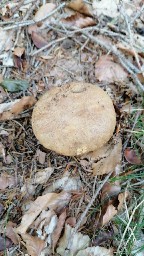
(74, 119)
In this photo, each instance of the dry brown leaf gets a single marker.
(43, 11)
(50, 200)
(34, 244)
(43, 218)
(57, 232)
(110, 213)
(25, 103)
(10, 232)
(96, 251)
(81, 7)
(111, 210)
(110, 189)
(76, 241)
(40, 156)
(106, 70)
(42, 176)
(6, 39)
(19, 51)
(10, 110)
(38, 40)
(33, 28)
(79, 21)
(107, 158)
(131, 156)
(71, 221)
(7, 181)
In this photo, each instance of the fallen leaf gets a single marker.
(110, 213)
(12, 85)
(10, 232)
(76, 241)
(28, 189)
(34, 244)
(79, 21)
(40, 156)
(42, 12)
(106, 70)
(110, 189)
(96, 251)
(66, 184)
(81, 7)
(71, 221)
(111, 210)
(7, 181)
(107, 158)
(7, 59)
(42, 176)
(6, 40)
(11, 109)
(57, 232)
(50, 200)
(19, 51)
(108, 8)
(43, 218)
(24, 103)
(5, 243)
(38, 40)
(131, 156)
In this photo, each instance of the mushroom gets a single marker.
(74, 119)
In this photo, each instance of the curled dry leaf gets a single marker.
(50, 200)
(131, 156)
(81, 7)
(71, 221)
(7, 181)
(19, 51)
(107, 158)
(111, 210)
(106, 70)
(79, 21)
(38, 40)
(34, 244)
(96, 251)
(57, 232)
(76, 241)
(110, 189)
(10, 110)
(43, 218)
(10, 233)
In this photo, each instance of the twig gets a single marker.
(91, 202)
(31, 22)
(87, 208)
(48, 45)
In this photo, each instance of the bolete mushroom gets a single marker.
(74, 119)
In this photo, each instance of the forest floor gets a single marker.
(52, 204)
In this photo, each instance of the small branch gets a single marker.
(31, 22)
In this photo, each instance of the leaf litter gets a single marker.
(49, 192)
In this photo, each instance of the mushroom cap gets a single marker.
(74, 119)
